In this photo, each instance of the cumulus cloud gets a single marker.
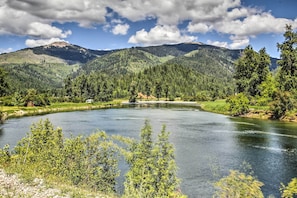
(38, 29)
(5, 50)
(160, 35)
(35, 18)
(41, 42)
(199, 27)
(84, 12)
(120, 29)
(218, 43)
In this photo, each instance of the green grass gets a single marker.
(13, 111)
(218, 106)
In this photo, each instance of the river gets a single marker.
(207, 145)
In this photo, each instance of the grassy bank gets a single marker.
(258, 112)
(13, 112)
(218, 106)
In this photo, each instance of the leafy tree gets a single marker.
(147, 89)
(31, 96)
(41, 148)
(17, 99)
(3, 83)
(288, 62)
(158, 90)
(133, 92)
(282, 102)
(238, 184)
(139, 178)
(290, 190)
(165, 169)
(152, 170)
(238, 104)
(244, 68)
(268, 88)
(251, 69)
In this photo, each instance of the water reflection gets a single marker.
(1, 131)
(200, 139)
(271, 148)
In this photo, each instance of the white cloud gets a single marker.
(218, 43)
(120, 29)
(160, 35)
(41, 42)
(37, 29)
(5, 50)
(239, 42)
(84, 12)
(35, 18)
(199, 27)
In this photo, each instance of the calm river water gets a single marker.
(207, 145)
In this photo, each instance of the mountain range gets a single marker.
(46, 67)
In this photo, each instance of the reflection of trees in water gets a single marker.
(251, 131)
(1, 131)
(278, 135)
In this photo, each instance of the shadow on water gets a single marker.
(1, 131)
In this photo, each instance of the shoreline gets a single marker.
(254, 114)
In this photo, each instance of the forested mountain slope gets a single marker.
(123, 62)
(47, 67)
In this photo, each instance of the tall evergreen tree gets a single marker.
(244, 69)
(288, 63)
(139, 179)
(3, 83)
(165, 169)
(152, 167)
(251, 69)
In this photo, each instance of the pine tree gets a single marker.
(139, 179)
(165, 169)
(288, 63)
(152, 167)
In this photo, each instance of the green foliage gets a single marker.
(282, 103)
(288, 63)
(238, 104)
(133, 92)
(289, 191)
(122, 62)
(268, 88)
(238, 184)
(95, 86)
(152, 167)
(90, 161)
(251, 70)
(37, 76)
(3, 83)
(5, 156)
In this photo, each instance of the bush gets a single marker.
(83, 161)
(238, 184)
(282, 102)
(238, 104)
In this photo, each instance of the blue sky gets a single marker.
(114, 24)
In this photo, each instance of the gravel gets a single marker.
(12, 186)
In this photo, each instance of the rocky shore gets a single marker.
(12, 186)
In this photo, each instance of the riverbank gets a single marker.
(13, 186)
(218, 106)
(255, 112)
(14, 112)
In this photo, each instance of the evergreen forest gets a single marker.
(244, 80)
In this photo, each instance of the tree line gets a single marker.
(91, 162)
(256, 85)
